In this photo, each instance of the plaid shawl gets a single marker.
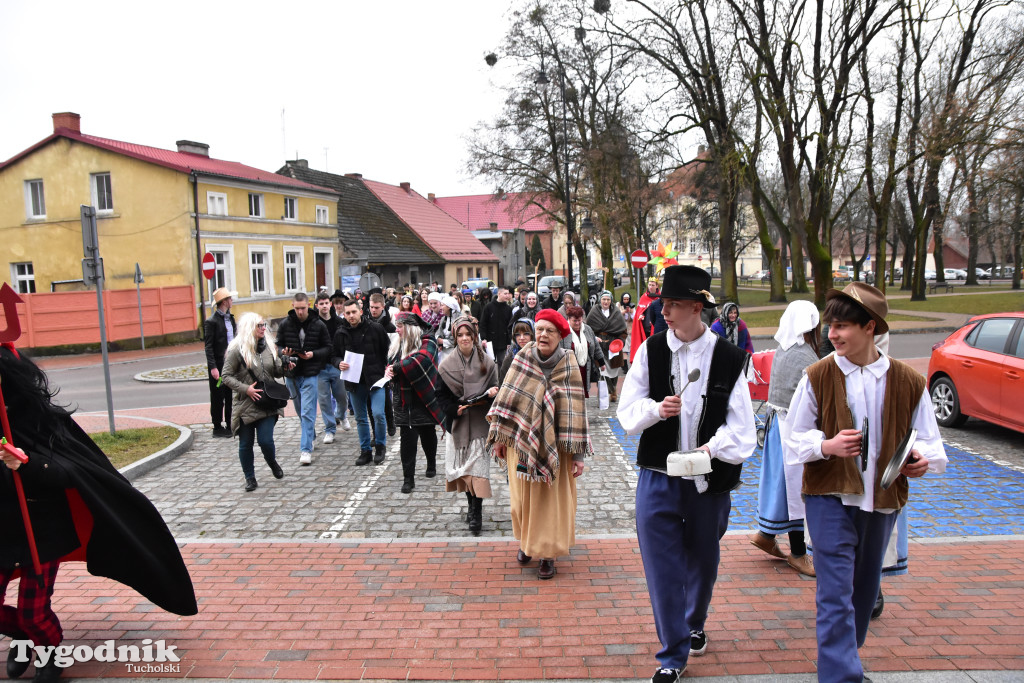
(538, 418)
(419, 371)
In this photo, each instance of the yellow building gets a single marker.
(270, 235)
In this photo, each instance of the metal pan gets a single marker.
(900, 459)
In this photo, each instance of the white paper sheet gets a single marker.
(355, 367)
(380, 383)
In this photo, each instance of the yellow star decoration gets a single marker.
(663, 256)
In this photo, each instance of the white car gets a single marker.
(954, 274)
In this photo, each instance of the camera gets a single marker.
(289, 359)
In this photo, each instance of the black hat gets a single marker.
(687, 282)
(410, 318)
(338, 294)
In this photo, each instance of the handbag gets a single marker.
(273, 395)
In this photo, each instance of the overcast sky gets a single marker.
(389, 88)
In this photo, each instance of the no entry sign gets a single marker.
(209, 266)
(638, 258)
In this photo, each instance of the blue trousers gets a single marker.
(303, 390)
(362, 396)
(849, 545)
(679, 531)
(261, 431)
(330, 385)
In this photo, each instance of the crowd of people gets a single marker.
(504, 375)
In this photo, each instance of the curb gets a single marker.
(141, 377)
(148, 464)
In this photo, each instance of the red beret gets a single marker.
(556, 319)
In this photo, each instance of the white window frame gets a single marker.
(227, 268)
(261, 212)
(267, 267)
(324, 211)
(329, 270)
(94, 179)
(216, 198)
(694, 245)
(294, 203)
(19, 277)
(299, 266)
(30, 208)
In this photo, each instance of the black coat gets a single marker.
(494, 324)
(128, 542)
(384, 321)
(369, 339)
(215, 338)
(317, 341)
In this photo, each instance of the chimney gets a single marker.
(298, 163)
(354, 175)
(494, 227)
(407, 187)
(432, 198)
(69, 120)
(197, 148)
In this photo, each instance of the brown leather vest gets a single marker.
(903, 390)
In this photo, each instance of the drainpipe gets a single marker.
(199, 250)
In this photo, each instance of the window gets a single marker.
(693, 246)
(216, 204)
(294, 280)
(35, 203)
(991, 335)
(259, 272)
(220, 273)
(102, 196)
(322, 215)
(291, 209)
(24, 278)
(255, 205)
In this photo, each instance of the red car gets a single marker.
(978, 371)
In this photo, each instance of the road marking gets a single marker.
(355, 501)
(984, 456)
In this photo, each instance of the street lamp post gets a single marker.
(542, 79)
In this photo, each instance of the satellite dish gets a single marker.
(368, 281)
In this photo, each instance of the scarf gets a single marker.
(609, 327)
(539, 412)
(731, 328)
(580, 345)
(419, 369)
(514, 347)
(467, 378)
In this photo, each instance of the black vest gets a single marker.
(661, 438)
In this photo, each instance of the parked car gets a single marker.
(978, 371)
(954, 274)
(982, 274)
(762, 275)
(544, 286)
(929, 275)
(476, 284)
(621, 275)
(897, 273)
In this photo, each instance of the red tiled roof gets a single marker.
(178, 161)
(510, 211)
(440, 231)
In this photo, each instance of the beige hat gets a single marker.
(867, 297)
(222, 293)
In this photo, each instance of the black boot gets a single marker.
(275, 468)
(408, 485)
(378, 456)
(408, 470)
(364, 458)
(250, 484)
(476, 516)
(431, 467)
(469, 506)
(14, 667)
(49, 673)
(879, 605)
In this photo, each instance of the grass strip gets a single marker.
(128, 445)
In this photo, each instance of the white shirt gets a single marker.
(865, 393)
(734, 441)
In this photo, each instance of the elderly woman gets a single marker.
(539, 434)
(522, 334)
(568, 299)
(609, 325)
(779, 506)
(417, 409)
(583, 343)
(251, 357)
(471, 377)
(732, 328)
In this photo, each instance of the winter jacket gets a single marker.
(236, 377)
(316, 340)
(367, 338)
(495, 322)
(215, 337)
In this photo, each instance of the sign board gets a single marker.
(209, 266)
(699, 259)
(638, 258)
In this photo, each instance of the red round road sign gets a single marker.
(638, 258)
(699, 259)
(209, 266)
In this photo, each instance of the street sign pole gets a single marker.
(638, 259)
(138, 295)
(92, 273)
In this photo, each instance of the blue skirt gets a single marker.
(772, 507)
(895, 560)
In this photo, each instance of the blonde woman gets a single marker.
(251, 357)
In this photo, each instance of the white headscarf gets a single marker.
(799, 317)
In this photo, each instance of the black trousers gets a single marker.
(220, 404)
(407, 448)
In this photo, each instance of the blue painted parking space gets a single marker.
(974, 497)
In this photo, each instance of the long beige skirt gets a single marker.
(544, 516)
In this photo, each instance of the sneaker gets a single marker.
(345, 424)
(305, 458)
(698, 643)
(667, 676)
(329, 437)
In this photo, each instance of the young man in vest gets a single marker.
(849, 515)
(680, 521)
